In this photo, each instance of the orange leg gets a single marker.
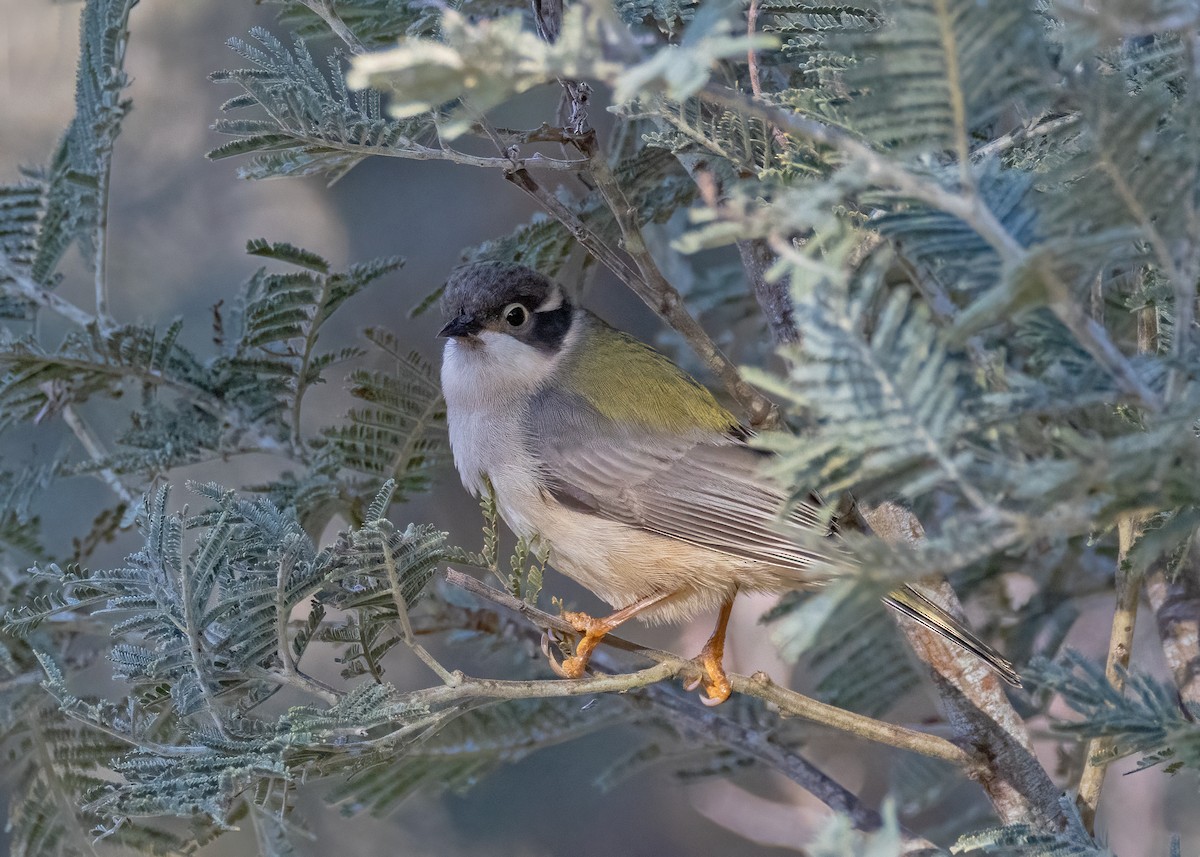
(716, 683)
(594, 630)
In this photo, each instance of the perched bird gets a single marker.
(642, 484)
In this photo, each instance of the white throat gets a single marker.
(486, 383)
(493, 371)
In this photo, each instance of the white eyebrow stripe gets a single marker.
(553, 302)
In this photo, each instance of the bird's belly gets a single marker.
(623, 565)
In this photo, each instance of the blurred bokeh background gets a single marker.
(179, 224)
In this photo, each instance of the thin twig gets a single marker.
(642, 687)
(1043, 128)
(325, 11)
(95, 451)
(658, 293)
(759, 685)
(410, 150)
(752, 66)
(1120, 647)
(291, 669)
(23, 286)
(1129, 587)
(389, 561)
(707, 725)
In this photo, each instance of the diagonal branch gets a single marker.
(17, 283)
(1176, 605)
(658, 293)
(1016, 783)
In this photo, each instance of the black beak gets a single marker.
(461, 326)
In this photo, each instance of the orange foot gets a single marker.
(593, 630)
(715, 682)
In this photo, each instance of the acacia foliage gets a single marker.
(980, 218)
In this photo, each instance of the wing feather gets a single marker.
(705, 488)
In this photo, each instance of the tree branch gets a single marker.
(974, 701)
(701, 724)
(1120, 647)
(758, 685)
(694, 722)
(1176, 605)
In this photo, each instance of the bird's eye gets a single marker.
(516, 315)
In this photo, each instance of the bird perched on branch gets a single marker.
(641, 483)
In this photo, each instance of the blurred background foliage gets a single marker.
(955, 241)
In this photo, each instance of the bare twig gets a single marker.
(291, 669)
(693, 722)
(707, 725)
(18, 284)
(96, 452)
(1043, 128)
(325, 11)
(410, 639)
(1120, 646)
(759, 685)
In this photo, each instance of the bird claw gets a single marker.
(712, 678)
(716, 692)
(570, 668)
(550, 642)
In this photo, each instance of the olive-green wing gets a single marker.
(701, 487)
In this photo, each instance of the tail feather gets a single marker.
(913, 604)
